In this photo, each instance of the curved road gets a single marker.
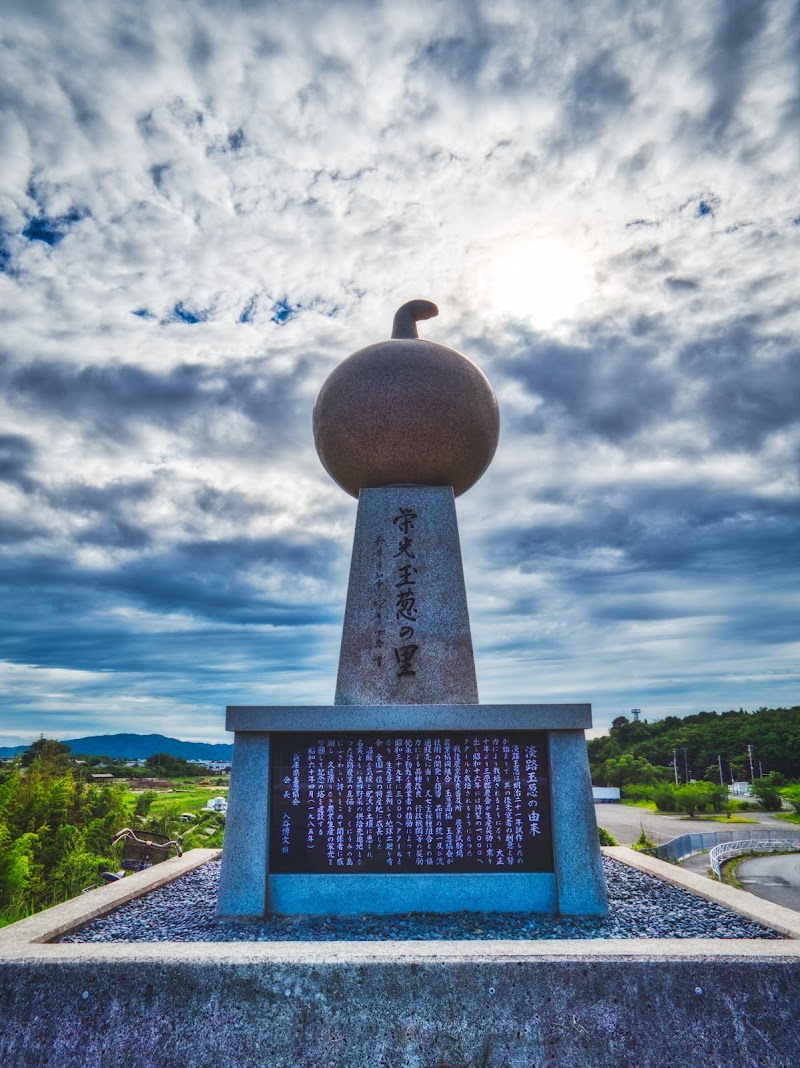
(773, 878)
(776, 879)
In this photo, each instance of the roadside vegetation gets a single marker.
(647, 753)
(56, 826)
(686, 765)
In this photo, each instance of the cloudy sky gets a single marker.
(205, 207)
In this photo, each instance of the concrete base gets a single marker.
(500, 1004)
(385, 895)
(358, 1007)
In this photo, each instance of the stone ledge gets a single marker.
(455, 717)
(60, 920)
(32, 939)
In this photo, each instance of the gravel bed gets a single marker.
(639, 907)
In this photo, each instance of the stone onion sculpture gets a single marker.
(406, 411)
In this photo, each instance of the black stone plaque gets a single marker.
(399, 803)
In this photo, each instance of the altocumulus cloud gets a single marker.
(203, 208)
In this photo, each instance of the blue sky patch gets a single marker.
(282, 311)
(248, 311)
(183, 313)
(52, 229)
(5, 254)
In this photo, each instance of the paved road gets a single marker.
(776, 879)
(625, 823)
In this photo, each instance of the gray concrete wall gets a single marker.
(245, 1006)
(623, 1003)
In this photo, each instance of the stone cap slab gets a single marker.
(455, 717)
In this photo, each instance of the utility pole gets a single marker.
(675, 764)
(719, 761)
(760, 770)
(750, 754)
(685, 763)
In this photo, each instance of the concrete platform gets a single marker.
(400, 1004)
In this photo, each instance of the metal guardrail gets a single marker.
(688, 844)
(719, 854)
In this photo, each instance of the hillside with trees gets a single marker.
(55, 831)
(57, 828)
(644, 752)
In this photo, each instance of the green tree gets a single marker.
(625, 769)
(53, 752)
(143, 802)
(767, 790)
(55, 833)
(690, 797)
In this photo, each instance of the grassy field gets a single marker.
(183, 796)
(715, 817)
(170, 804)
(719, 817)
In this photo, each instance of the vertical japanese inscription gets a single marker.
(405, 586)
(415, 802)
(379, 597)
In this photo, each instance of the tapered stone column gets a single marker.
(406, 637)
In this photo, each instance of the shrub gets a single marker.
(644, 843)
(664, 798)
(792, 795)
(606, 839)
(637, 792)
(744, 806)
(766, 789)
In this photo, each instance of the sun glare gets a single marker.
(545, 282)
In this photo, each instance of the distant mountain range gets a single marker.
(136, 747)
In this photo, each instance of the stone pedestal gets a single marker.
(574, 886)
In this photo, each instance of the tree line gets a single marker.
(158, 764)
(679, 750)
(55, 831)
